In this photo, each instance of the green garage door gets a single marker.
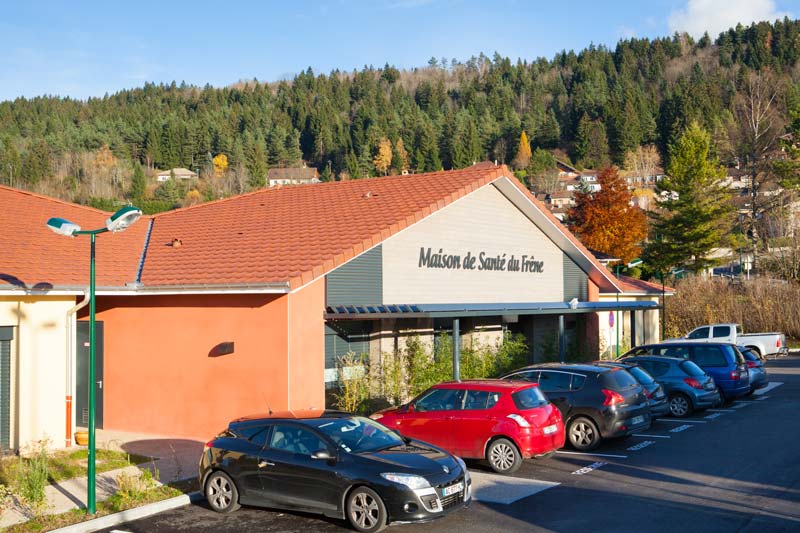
(6, 334)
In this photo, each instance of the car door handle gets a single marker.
(262, 464)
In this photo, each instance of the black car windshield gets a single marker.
(357, 434)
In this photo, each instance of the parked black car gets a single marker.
(720, 360)
(687, 386)
(333, 463)
(596, 402)
(656, 399)
(756, 367)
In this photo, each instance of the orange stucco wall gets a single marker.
(161, 376)
(307, 347)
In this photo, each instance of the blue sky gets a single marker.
(84, 48)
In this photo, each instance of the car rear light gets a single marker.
(612, 397)
(778, 343)
(519, 420)
(751, 364)
(209, 445)
(735, 375)
(693, 383)
(647, 394)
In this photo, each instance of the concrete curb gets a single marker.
(132, 514)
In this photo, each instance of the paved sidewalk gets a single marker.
(174, 459)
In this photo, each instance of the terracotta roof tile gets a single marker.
(286, 234)
(33, 255)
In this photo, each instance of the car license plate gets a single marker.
(550, 429)
(659, 395)
(637, 420)
(453, 489)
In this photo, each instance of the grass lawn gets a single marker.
(68, 464)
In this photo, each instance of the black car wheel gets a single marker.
(503, 456)
(221, 493)
(680, 405)
(365, 510)
(583, 434)
(722, 399)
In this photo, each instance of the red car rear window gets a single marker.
(529, 398)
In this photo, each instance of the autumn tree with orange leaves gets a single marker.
(605, 220)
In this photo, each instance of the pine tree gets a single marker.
(138, 184)
(694, 211)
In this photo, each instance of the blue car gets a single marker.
(687, 386)
(722, 361)
(757, 369)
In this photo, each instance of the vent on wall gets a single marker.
(85, 415)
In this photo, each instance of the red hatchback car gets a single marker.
(503, 422)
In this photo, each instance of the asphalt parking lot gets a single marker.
(734, 468)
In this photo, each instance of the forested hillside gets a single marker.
(594, 106)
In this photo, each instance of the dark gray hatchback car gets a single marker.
(687, 386)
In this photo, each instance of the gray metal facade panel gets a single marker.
(358, 282)
(5, 394)
(576, 284)
(6, 333)
(344, 337)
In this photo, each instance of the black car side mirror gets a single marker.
(323, 455)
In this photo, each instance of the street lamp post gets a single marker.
(617, 323)
(116, 222)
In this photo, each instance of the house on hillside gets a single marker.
(179, 173)
(292, 176)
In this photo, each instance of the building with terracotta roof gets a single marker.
(292, 176)
(217, 310)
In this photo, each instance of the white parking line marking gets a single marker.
(680, 428)
(587, 469)
(772, 385)
(651, 436)
(643, 444)
(682, 420)
(593, 454)
(738, 405)
(721, 410)
(713, 416)
(762, 398)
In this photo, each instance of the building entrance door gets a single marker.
(82, 375)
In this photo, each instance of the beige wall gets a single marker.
(647, 326)
(38, 367)
(483, 221)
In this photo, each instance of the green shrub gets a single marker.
(32, 479)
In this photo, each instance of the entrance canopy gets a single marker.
(367, 312)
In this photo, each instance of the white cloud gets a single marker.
(716, 16)
(626, 32)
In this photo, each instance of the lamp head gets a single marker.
(123, 218)
(635, 262)
(63, 226)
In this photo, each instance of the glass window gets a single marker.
(357, 434)
(692, 369)
(478, 399)
(721, 331)
(699, 333)
(681, 352)
(641, 375)
(527, 375)
(658, 368)
(578, 381)
(439, 400)
(256, 434)
(709, 356)
(619, 379)
(295, 439)
(551, 381)
(529, 398)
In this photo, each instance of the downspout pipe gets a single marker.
(70, 357)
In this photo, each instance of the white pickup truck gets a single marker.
(766, 344)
